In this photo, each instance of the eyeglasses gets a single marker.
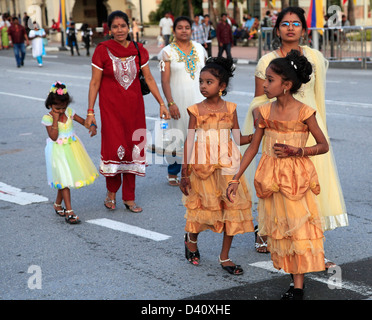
(286, 24)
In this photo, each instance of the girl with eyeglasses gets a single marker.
(290, 29)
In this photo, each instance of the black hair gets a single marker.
(55, 98)
(296, 10)
(179, 19)
(222, 68)
(294, 67)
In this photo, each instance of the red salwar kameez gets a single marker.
(123, 123)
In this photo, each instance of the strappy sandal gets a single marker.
(174, 182)
(192, 256)
(109, 201)
(71, 218)
(133, 208)
(61, 212)
(235, 270)
(259, 245)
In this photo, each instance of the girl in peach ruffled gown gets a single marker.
(210, 160)
(286, 181)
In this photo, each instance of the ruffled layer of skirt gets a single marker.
(69, 165)
(207, 206)
(295, 232)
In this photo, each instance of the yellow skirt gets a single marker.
(295, 232)
(207, 206)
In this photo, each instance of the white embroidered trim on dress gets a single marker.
(125, 71)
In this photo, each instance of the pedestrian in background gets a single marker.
(36, 35)
(86, 34)
(67, 162)
(135, 30)
(4, 26)
(224, 37)
(72, 40)
(18, 36)
(198, 34)
(166, 24)
(207, 28)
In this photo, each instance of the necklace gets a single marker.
(190, 60)
(214, 110)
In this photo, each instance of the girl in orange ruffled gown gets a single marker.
(210, 160)
(286, 181)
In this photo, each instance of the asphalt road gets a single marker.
(44, 258)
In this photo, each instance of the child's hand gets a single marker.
(185, 185)
(283, 150)
(55, 114)
(93, 130)
(231, 191)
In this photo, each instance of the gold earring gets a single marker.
(220, 93)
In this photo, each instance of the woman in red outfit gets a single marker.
(115, 69)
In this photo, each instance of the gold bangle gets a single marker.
(162, 104)
(90, 114)
(56, 128)
(171, 103)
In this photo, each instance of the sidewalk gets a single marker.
(241, 55)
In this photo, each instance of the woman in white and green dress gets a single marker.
(180, 64)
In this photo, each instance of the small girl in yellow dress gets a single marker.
(286, 181)
(67, 162)
(210, 160)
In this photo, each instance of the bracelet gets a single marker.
(91, 110)
(162, 104)
(56, 128)
(90, 114)
(171, 103)
(93, 124)
(233, 181)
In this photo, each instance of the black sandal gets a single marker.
(61, 212)
(71, 218)
(235, 270)
(192, 256)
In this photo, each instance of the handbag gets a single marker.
(144, 87)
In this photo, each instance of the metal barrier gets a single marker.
(340, 44)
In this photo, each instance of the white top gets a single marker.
(37, 43)
(184, 83)
(166, 25)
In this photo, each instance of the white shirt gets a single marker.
(166, 25)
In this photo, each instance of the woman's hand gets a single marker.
(92, 130)
(164, 113)
(283, 150)
(174, 112)
(89, 121)
(185, 185)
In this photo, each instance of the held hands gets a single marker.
(93, 130)
(283, 150)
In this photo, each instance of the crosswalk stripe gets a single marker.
(15, 195)
(120, 226)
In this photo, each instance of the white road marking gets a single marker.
(360, 289)
(15, 195)
(120, 226)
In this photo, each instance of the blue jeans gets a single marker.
(225, 47)
(19, 52)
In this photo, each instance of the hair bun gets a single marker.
(227, 64)
(301, 65)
